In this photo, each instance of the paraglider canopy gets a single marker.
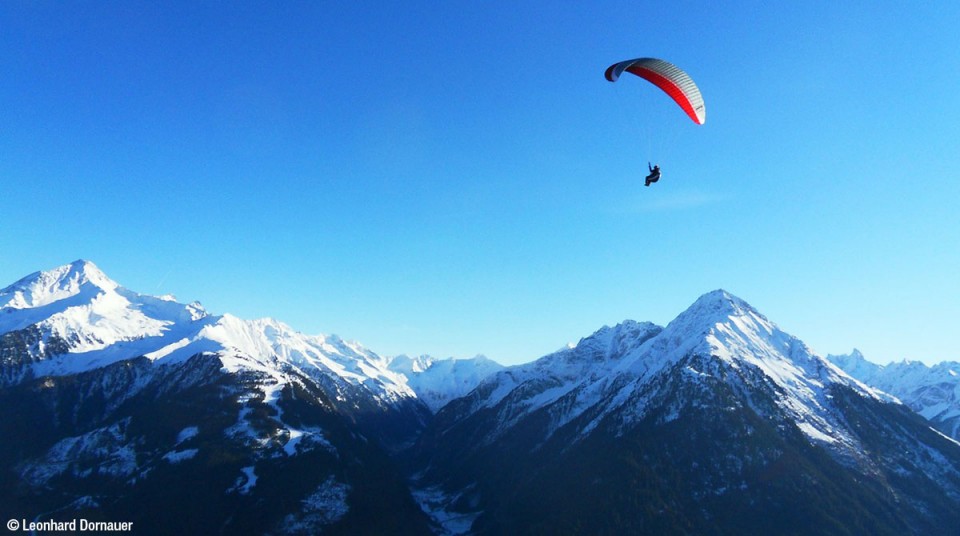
(668, 77)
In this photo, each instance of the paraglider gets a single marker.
(654, 175)
(668, 77)
(673, 81)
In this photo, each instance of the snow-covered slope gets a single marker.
(637, 428)
(77, 308)
(74, 318)
(931, 391)
(438, 381)
(725, 327)
(135, 394)
(718, 394)
(79, 305)
(611, 366)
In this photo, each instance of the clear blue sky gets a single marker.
(458, 178)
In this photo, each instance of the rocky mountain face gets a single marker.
(121, 406)
(718, 423)
(188, 448)
(118, 406)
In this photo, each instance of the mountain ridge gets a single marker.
(933, 391)
(93, 322)
(118, 399)
(720, 369)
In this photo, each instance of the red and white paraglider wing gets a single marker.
(668, 77)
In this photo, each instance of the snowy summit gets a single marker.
(79, 319)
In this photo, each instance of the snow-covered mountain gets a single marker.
(614, 362)
(438, 381)
(931, 391)
(121, 406)
(75, 309)
(108, 393)
(683, 426)
(74, 319)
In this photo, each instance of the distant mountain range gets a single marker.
(931, 391)
(118, 406)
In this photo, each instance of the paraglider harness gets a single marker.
(654, 175)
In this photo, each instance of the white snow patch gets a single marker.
(326, 505)
(180, 455)
(945, 436)
(813, 433)
(104, 451)
(245, 482)
(187, 433)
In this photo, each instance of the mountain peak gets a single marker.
(405, 364)
(856, 365)
(616, 341)
(855, 357)
(718, 307)
(720, 302)
(87, 271)
(46, 287)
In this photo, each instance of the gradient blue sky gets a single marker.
(458, 178)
